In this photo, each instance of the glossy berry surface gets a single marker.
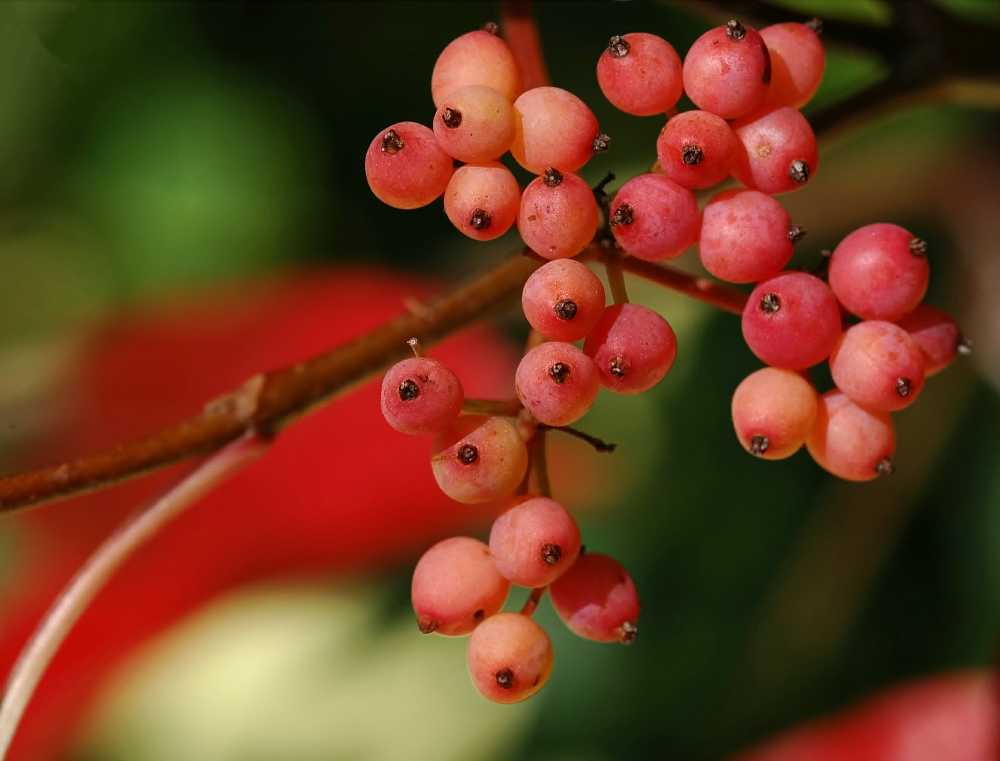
(640, 74)
(937, 335)
(455, 586)
(406, 167)
(482, 200)
(654, 218)
(553, 128)
(727, 70)
(563, 300)
(534, 542)
(475, 58)
(878, 365)
(773, 412)
(777, 152)
(632, 346)
(421, 396)
(558, 215)
(597, 600)
(696, 149)
(791, 321)
(849, 441)
(557, 383)
(797, 63)
(509, 658)
(744, 236)
(479, 459)
(880, 272)
(474, 124)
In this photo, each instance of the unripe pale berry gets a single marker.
(421, 396)
(534, 542)
(773, 412)
(553, 128)
(640, 74)
(475, 124)
(509, 658)
(878, 365)
(475, 58)
(479, 459)
(406, 167)
(851, 442)
(482, 200)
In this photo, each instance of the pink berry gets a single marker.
(596, 599)
(558, 215)
(880, 272)
(405, 166)
(791, 321)
(773, 412)
(509, 658)
(557, 383)
(851, 442)
(727, 70)
(475, 58)
(482, 200)
(777, 151)
(455, 586)
(797, 63)
(654, 218)
(633, 348)
(534, 542)
(696, 149)
(479, 459)
(563, 300)
(937, 335)
(878, 366)
(640, 74)
(475, 124)
(421, 396)
(554, 128)
(745, 236)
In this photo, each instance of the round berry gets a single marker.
(878, 366)
(476, 58)
(880, 272)
(456, 585)
(654, 218)
(696, 149)
(633, 348)
(937, 335)
(773, 412)
(791, 321)
(596, 599)
(479, 459)
(563, 300)
(557, 383)
(640, 74)
(797, 63)
(421, 396)
(553, 128)
(558, 215)
(745, 236)
(777, 152)
(475, 124)
(406, 167)
(851, 442)
(534, 542)
(727, 70)
(509, 657)
(482, 200)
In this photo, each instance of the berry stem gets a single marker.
(521, 32)
(613, 266)
(531, 604)
(599, 445)
(539, 463)
(500, 407)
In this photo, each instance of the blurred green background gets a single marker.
(148, 147)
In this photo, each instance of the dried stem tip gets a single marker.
(618, 46)
(798, 170)
(601, 143)
(816, 24)
(452, 118)
(392, 142)
(408, 390)
(623, 215)
(480, 219)
(735, 30)
(565, 309)
(559, 372)
(918, 247)
(885, 467)
(492, 27)
(796, 233)
(692, 154)
(903, 387)
(551, 553)
(467, 454)
(414, 343)
(552, 177)
(770, 303)
(629, 632)
(759, 445)
(964, 346)
(505, 678)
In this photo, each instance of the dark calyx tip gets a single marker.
(759, 445)
(551, 553)
(796, 233)
(629, 632)
(505, 679)
(480, 219)
(770, 303)
(964, 346)
(918, 247)
(623, 215)
(552, 177)
(479, 615)
(467, 454)
(565, 309)
(798, 170)
(409, 390)
(618, 46)
(735, 30)
(392, 142)
(885, 467)
(816, 24)
(692, 154)
(617, 367)
(426, 627)
(451, 117)
(492, 27)
(602, 142)
(903, 387)
(559, 372)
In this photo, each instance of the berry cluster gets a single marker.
(748, 87)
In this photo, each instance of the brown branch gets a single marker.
(521, 33)
(703, 289)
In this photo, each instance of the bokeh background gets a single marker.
(183, 203)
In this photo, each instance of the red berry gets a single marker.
(554, 128)
(509, 658)
(797, 63)
(557, 383)
(878, 366)
(596, 599)
(479, 459)
(475, 124)
(406, 167)
(482, 200)
(535, 542)
(421, 396)
(563, 300)
(777, 151)
(696, 149)
(936, 334)
(744, 236)
(654, 218)
(558, 215)
(851, 442)
(640, 74)
(633, 348)
(727, 70)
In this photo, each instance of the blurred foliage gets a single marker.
(146, 147)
